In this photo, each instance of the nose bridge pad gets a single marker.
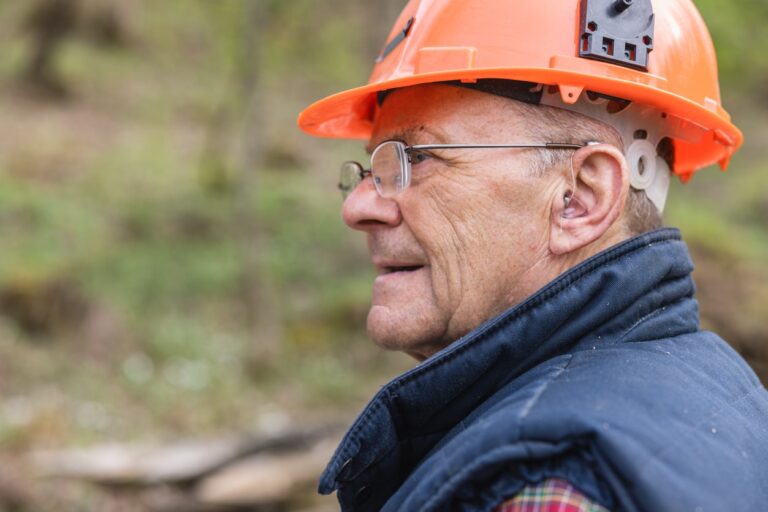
(405, 174)
(376, 182)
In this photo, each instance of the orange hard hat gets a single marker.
(665, 61)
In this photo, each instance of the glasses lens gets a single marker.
(388, 168)
(349, 178)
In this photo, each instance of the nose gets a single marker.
(365, 210)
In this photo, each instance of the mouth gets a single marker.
(394, 268)
(406, 268)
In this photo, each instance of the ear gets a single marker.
(590, 200)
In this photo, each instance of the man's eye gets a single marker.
(419, 156)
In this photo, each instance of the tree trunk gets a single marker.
(260, 298)
(49, 23)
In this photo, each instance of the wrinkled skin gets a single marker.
(476, 223)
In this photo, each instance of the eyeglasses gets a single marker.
(392, 159)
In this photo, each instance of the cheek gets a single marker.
(480, 234)
(453, 228)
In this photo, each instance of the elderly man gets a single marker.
(520, 159)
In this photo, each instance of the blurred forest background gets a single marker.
(173, 264)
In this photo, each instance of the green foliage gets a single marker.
(129, 197)
(738, 31)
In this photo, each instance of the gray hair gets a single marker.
(559, 125)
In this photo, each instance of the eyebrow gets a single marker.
(408, 134)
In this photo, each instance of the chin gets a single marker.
(408, 332)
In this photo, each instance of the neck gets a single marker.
(559, 264)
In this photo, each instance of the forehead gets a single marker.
(444, 113)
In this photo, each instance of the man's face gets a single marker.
(469, 237)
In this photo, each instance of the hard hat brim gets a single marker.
(350, 114)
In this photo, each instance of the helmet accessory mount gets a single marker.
(617, 31)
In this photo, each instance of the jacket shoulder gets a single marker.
(682, 418)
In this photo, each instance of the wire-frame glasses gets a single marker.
(392, 159)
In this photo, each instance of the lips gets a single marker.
(391, 267)
(398, 280)
(407, 268)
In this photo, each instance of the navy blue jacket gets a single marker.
(602, 378)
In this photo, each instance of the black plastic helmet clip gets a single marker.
(617, 31)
